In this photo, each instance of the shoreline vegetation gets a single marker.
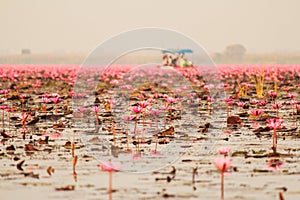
(218, 58)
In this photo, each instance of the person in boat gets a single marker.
(165, 60)
(174, 61)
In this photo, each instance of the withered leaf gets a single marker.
(169, 131)
(30, 147)
(66, 188)
(50, 170)
(10, 148)
(32, 175)
(58, 125)
(45, 141)
(68, 144)
(4, 135)
(19, 165)
(234, 120)
(33, 121)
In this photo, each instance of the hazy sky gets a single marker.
(78, 26)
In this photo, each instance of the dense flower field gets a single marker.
(159, 132)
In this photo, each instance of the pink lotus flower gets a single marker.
(293, 102)
(56, 100)
(263, 103)
(274, 164)
(128, 118)
(150, 100)
(82, 109)
(257, 112)
(210, 99)
(241, 104)
(291, 95)
(111, 102)
(274, 123)
(228, 100)
(154, 153)
(3, 107)
(23, 117)
(272, 93)
(163, 107)
(45, 99)
(223, 150)
(114, 82)
(110, 166)
(55, 135)
(276, 105)
(2, 100)
(206, 87)
(143, 104)
(137, 109)
(171, 100)
(136, 156)
(22, 96)
(254, 101)
(96, 109)
(45, 95)
(5, 91)
(72, 94)
(222, 164)
(227, 132)
(155, 112)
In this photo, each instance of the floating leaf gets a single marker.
(19, 165)
(50, 170)
(66, 188)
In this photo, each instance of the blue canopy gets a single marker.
(183, 51)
